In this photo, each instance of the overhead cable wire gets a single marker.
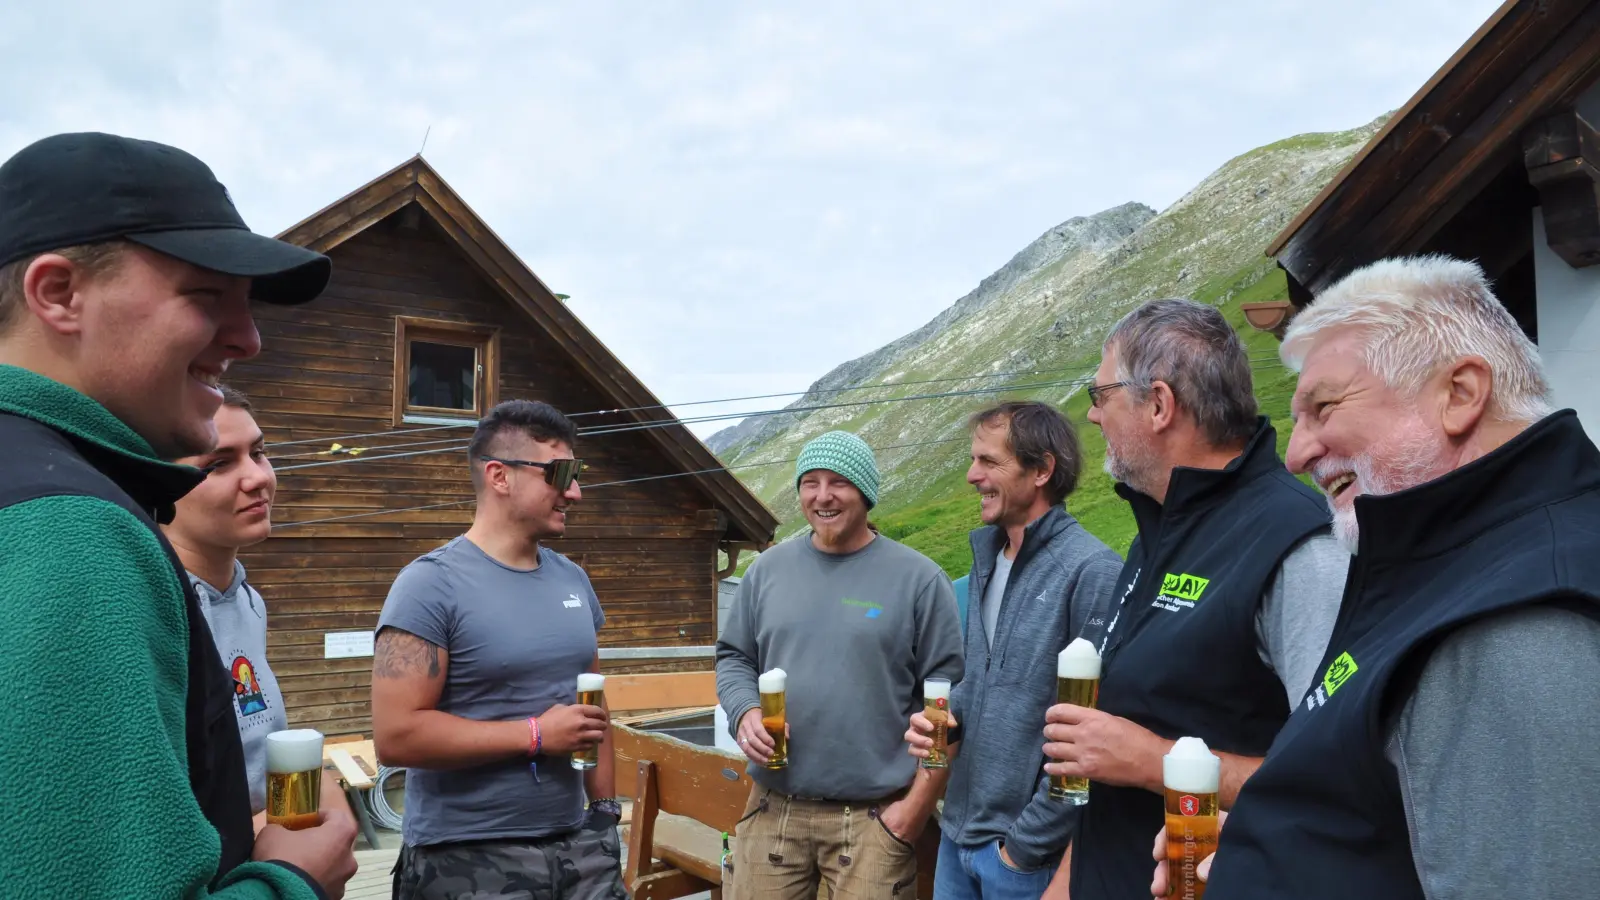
(624, 409)
(651, 424)
(353, 451)
(597, 485)
(857, 387)
(370, 459)
(861, 387)
(789, 410)
(667, 423)
(366, 434)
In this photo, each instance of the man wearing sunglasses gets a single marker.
(474, 686)
(1227, 598)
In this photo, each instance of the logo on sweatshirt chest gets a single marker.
(248, 697)
(1180, 591)
(871, 608)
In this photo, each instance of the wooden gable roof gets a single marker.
(1459, 134)
(415, 181)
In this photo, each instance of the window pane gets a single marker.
(443, 376)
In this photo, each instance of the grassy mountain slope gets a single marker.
(1036, 334)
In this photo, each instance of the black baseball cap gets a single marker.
(85, 188)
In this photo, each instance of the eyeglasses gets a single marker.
(558, 473)
(1097, 392)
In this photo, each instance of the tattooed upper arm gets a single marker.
(401, 654)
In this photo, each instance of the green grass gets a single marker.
(937, 523)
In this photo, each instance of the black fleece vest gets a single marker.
(1323, 816)
(41, 462)
(1180, 657)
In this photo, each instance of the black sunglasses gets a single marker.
(558, 473)
(1097, 392)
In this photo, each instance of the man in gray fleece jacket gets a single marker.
(1038, 581)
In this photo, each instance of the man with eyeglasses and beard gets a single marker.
(1225, 602)
(474, 688)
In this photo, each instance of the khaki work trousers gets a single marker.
(788, 847)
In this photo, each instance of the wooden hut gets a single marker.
(1495, 159)
(429, 320)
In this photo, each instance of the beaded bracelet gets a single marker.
(535, 744)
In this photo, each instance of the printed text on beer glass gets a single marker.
(936, 708)
(1190, 775)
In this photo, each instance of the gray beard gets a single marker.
(1126, 470)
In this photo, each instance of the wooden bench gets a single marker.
(684, 798)
(357, 764)
(639, 699)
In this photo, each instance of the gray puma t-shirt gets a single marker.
(517, 639)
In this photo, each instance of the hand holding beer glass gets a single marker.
(1077, 683)
(764, 730)
(1190, 774)
(294, 778)
(774, 716)
(591, 692)
(936, 709)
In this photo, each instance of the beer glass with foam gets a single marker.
(591, 692)
(936, 708)
(774, 717)
(1190, 773)
(1077, 683)
(294, 778)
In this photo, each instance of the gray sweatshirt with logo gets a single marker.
(238, 620)
(1061, 587)
(857, 633)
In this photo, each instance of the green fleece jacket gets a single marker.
(93, 676)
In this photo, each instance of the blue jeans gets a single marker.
(978, 873)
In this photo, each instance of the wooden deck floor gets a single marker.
(373, 879)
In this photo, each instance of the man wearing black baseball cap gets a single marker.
(126, 276)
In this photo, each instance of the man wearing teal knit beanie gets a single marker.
(856, 622)
(843, 454)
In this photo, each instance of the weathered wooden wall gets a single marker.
(327, 369)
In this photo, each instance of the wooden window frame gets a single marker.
(484, 339)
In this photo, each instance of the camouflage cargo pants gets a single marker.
(583, 865)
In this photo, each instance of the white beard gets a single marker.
(1414, 460)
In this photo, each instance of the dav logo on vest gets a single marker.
(1339, 671)
(1179, 591)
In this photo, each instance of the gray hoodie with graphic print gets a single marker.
(238, 620)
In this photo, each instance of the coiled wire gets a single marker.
(383, 815)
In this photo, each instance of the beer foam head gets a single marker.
(772, 682)
(936, 689)
(1079, 660)
(299, 750)
(589, 681)
(1191, 767)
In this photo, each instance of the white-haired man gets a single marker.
(1446, 751)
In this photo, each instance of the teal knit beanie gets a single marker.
(844, 454)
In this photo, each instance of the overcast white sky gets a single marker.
(737, 196)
